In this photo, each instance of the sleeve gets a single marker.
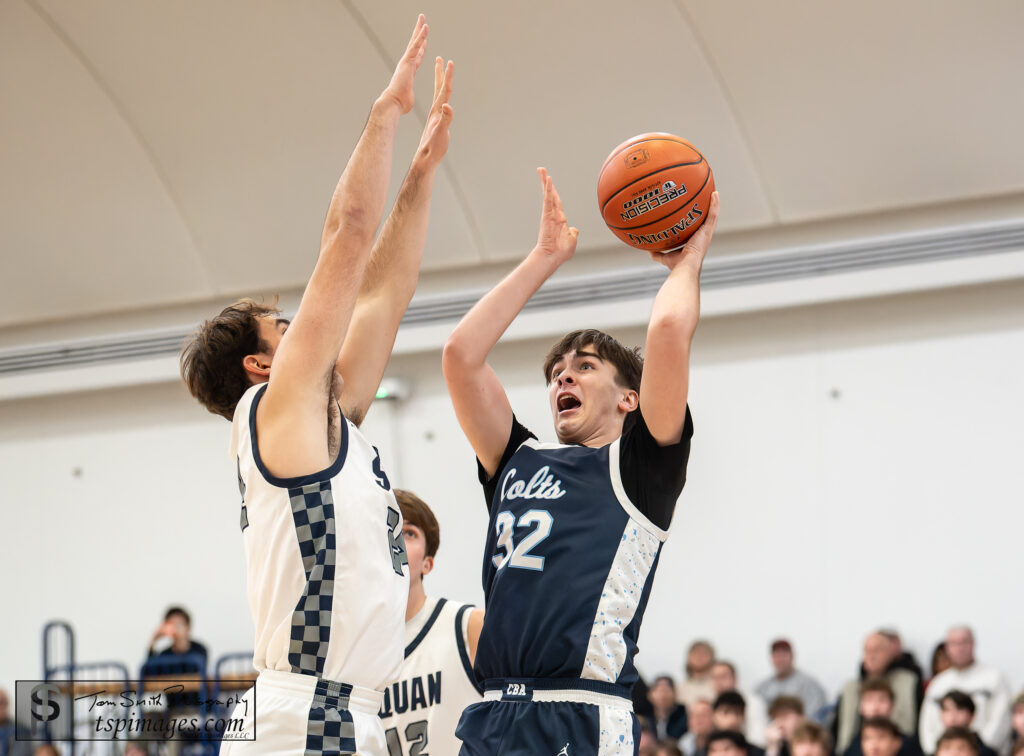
(517, 436)
(653, 476)
(995, 728)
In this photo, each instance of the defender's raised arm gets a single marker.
(477, 394)
(393, 270)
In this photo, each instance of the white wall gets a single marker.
(853, 465)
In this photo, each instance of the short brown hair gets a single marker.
(881, 723)
(959, 733)
(211, 359)
(811, 732)
(416, 512)
(782, 704)
(877, 685)
(629, 365)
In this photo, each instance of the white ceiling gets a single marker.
(165, 152)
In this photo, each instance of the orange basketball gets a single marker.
(654, 191)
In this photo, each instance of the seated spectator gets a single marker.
(958, 712)
(669, 717)
(876, 702)
(697, 684)
(901, 658)
(1017, 719)
(723, 678)
(728, 743)
(810, 739)
(648, 742)
(986, 686)
(789, 681)
(177, 629)
(728, 714)
(878, 662)
(881, 737)
(940, 662)
(695, 740)
(957, 741)
(786, 713)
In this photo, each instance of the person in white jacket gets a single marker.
(986, 686)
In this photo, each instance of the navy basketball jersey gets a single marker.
(575, 535)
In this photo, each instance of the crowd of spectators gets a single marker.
(889, 708)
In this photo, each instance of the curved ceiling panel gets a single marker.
(561, 84)
(87, 223)
(252, 108)
(856, 107)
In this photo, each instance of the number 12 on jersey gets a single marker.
(518, 554)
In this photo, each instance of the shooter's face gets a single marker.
(585, 397)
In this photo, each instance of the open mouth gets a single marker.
(567, 403)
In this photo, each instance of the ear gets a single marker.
(629, 401)
(257, 366)
(428, 565)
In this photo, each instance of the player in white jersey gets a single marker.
(322, 531)
(422, 707)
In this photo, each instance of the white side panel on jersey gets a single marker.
(620, 597)
(620, 492)
(616, 732)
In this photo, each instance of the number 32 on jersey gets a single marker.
(517, 547)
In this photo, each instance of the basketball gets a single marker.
(654, 191)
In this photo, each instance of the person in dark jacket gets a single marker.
(668, 718)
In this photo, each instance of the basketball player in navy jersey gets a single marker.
(321, 528)
(423, 706)
(576, 528)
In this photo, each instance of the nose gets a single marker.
(565, 377)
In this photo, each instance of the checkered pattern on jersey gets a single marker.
(330, 729)
(313, 514)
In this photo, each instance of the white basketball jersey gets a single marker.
(324, 557)
(422, 708)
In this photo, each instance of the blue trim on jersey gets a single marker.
(460, 643)
(426, 628)
(302, 480)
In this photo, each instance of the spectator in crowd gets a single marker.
(729, 743)
(958, 712)
(695, 740)
(1017, 719)
(786, 713)
(9, 746)
(878, 662)
(940, 662)
(728, 714)
(667, 747)
(985, 685)
(789, 681)
(881, 737)
(46, 749)
(957, 741)
(810, 739)
(668, 717)
(876, 702)
(648, 742)
(174, 636)
(697, 684)
(901, 658)
(723, 678)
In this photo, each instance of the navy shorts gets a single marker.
(550, 718)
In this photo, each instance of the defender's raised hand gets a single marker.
(556, 237)
(401, 87)
(434, 142)
(692, 253)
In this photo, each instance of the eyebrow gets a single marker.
(587, 354)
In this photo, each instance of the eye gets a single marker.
(587, 366)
